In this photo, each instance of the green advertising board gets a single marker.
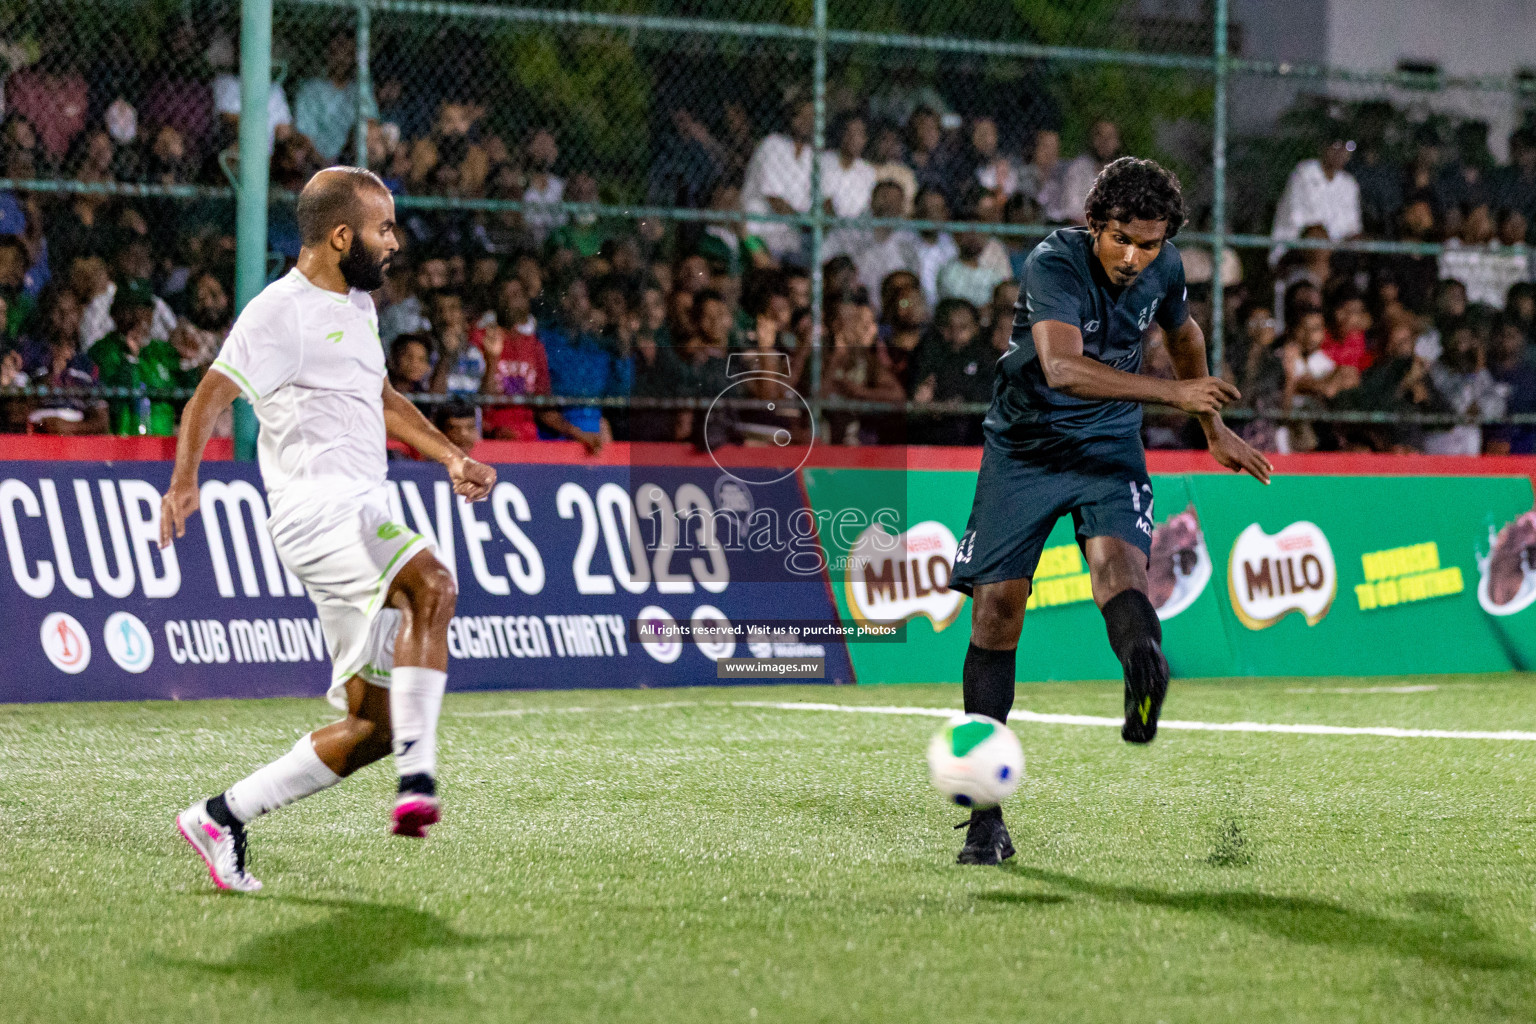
(1313, 575)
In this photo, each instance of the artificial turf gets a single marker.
(671, 856)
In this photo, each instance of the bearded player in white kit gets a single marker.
(306, 354)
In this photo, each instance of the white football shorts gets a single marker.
(347, 555)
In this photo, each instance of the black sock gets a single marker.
(418, 783)
(1130, 617)
(987, 682)
(219, 811)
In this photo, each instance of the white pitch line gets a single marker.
(1051, 719)
(1362, 689)
(573, 710)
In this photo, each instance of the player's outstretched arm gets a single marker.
(211, 398)
(404, 422)
(1186, 349)
(1066, 369)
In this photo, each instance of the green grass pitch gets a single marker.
(667, 856)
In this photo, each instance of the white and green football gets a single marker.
(976, 761)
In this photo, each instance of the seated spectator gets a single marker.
(703, 349)
(1319, 192)
(200, 332)
(129, 358)
(96, 285)
(1078, 175)
(1311, 382)
(460, 368)
(1309, 266)
(933, 163)
(325, 107)
(967, 276)
(689, 159)
(450, 145)
(847, 179)
(856, 368)
(227, 99)
(990, 168)
(839, 278)
(582, 364)
(1463, 382)
(404, 287)
(891, 165)
(1513, 364)
(1519, 308)
(53, 359)
(1347, 323)
(584, 234)
(934, 248)
(1397, 382)
(877, 252)
(410, 364)
(179, 96)
(1514, 187)
(14, 259)
(515, 364)
(1019, 209)
(457, 420)
(778, 180)
(958, 368)
(1463, 181)
(1415, 275)
(1476, 259)
(544, 187)
(1041, 179)
(51, 94)
(659, 374)
(904, 318)
(1000, 318)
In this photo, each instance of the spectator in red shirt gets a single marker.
(1348, 321)
(516, 364)
(52, 94)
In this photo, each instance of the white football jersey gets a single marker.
(310, 362)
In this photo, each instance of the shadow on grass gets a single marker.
(354, 952)
(1439, 931)
(1028, 899)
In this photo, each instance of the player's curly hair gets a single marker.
(1134, 189)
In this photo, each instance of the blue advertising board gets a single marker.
(554, 572)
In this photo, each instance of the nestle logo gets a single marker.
(1299, 542)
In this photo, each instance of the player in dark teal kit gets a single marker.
(1064, 435)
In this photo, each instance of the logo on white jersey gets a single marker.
(66, 643)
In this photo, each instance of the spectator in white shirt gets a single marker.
(934, 248)
(1079, 175)
(226, 93)
(1040, 178)
(778, 180)
(544, 186)
(847, 179)
(1482, 265)
(994, 171)
(1319, 192)
(879, 252)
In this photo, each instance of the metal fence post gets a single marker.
(818, 227)
(251, 197)
(364, 82)
(1218, 346)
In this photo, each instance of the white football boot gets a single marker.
(222, 849)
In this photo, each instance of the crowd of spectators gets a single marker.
(136, 293)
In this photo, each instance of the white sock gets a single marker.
(294, 776)
(415, 698)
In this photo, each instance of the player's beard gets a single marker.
(361, 267)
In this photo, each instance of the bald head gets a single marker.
(332, 198)
(347, 224)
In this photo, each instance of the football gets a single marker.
(976, 761)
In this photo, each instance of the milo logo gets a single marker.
(1271, 575)
(892, 579)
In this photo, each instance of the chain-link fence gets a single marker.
(648, 175)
